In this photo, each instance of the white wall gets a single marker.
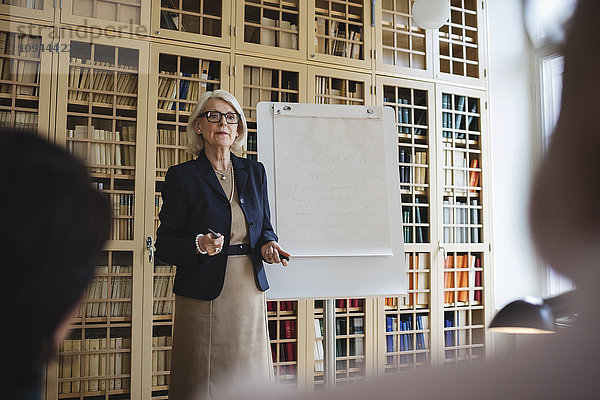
(512, 118)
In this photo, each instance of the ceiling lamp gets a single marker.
(431, 14)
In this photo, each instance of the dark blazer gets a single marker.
(193, 201)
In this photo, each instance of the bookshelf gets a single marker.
(125, 82)
(463, 230)
(98, 121)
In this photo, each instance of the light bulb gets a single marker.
(431, 14)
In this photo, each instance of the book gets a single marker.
(419, 229)
(76, 366)
(154, 361)
(111, 363)
(94, 360)
(65, 368)
(462, 275)
(289, 40)
(102, 364)
(161, 359)
(405, 117)
(474, 175)
(422, 283)
(118, 363)
(318, 350)
(475, 238)
(390, 348)
(459, 164)
(478, 295)
(268, 34)
(320, 36)
(449, 280)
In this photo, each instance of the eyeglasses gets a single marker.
(215, 117)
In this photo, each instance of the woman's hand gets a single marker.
(210, 245)
(270, 253)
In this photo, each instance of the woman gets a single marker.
(220, 327)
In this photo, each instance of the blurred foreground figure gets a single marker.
(53, 227)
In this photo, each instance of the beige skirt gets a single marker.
(224, 341)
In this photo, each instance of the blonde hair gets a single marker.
(195, 141)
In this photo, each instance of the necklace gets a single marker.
(232, 183)
(223, 174)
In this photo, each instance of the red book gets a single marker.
(290, 350)
(354, 303)
(449, 280)
(463, 277)
(474, 175)
(293, 328)
(287, 329)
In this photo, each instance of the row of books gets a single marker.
(100, 76)
(251, 144)
(287, 354)
(190, 89)
(105, 290)
(350, 347)
(81, 363)
(166, 157)
(171, 137)
(456, 171)
(462, 272)
(420, 167)
(23, 120)
(161, 359)
(405, 119)
(459, 112)
(418, 282)
(352, 303)
(21, 70)
(163, 289)
(406, 342)
(284, 305)
(288, 329)
(319, 352)
(351, 326)
(456, 337)
(420, 234)
(334, 40)
(460, 220)
(287, 37)
(101, 153)
(122, 228)
(341, 93)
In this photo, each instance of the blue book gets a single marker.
(420, 337)
(184, 86)
(389, 327)
(405, 116)
(418, 221)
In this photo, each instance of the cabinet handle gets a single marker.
(443, 249)
(150, 248)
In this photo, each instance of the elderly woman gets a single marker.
(214, 225)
